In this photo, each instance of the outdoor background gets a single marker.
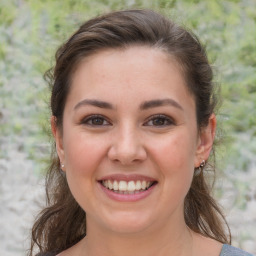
(31, 31)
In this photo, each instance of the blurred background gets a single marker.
(31, 31)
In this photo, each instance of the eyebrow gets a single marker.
(96, 103)
(160, 103)
(144, 106)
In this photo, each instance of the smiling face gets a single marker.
(130, 140)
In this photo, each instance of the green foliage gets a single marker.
(8, 12)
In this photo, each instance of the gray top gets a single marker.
(228, 250)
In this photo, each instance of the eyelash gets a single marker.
(161, 117)
(166, 121)
(89, 120)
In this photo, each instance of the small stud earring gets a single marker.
(199, 169)
(62, 165)
(202, 163)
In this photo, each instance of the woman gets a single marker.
(133, 119)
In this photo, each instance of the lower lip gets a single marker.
(127, 197)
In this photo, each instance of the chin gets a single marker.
(127, 223)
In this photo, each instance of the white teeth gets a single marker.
(143, 184)
(131, 186)
(125, 187)
(110, 185)
(138, 185)
(115, 185)
(122, 185)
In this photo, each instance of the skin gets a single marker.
(127, 138)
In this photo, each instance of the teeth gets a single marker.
(138, 185)
(125, 187)
(115, 185)
(109, 185)
(131, 186)
(143, 184)
(122, 185)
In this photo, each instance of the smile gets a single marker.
(127, 187)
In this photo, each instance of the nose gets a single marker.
(127, 147)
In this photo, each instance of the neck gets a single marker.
(176, 239)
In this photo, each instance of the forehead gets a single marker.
(134, 71)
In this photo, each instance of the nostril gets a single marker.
(127, 155)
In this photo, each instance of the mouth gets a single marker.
(127, 187)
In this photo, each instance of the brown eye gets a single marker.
(95, 120)
(159, 121)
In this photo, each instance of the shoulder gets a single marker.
(228, 250)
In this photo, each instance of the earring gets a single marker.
(202, 164)
(62, 165)
(199, 169)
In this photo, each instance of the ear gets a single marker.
(58, 140)
(205, 141)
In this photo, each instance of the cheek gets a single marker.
(83, 153)
(174, 161)
(176, 153)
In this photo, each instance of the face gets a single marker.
(130, 140)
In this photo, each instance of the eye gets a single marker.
(159, 121)
(95, 120)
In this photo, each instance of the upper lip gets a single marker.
(130, 177)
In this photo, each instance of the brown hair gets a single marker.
(63, 222)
